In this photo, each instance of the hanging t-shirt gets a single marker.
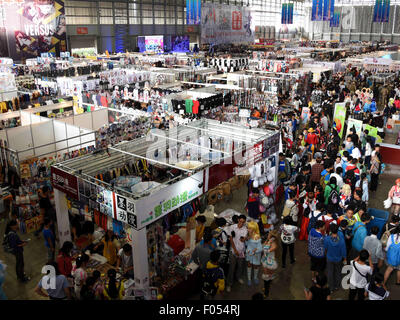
(195, 107)
(188, 105)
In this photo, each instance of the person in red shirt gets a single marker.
(312, 140)
(64, 259)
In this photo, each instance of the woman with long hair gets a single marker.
(113, 290)
(375, 171)
(269, 261)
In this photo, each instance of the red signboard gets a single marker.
(236, 20)
(82, 30)
(64, 182)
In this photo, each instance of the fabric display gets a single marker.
(126, 174)
(120, 77)
(197, 107)
(273, 66)
(120, 131)
(64, 70)
(228, 64)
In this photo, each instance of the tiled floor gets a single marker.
(288, 285)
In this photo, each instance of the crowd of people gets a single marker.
(328, 175)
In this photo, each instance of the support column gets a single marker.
(140, 259)
(64, 232)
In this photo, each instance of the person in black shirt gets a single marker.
(319, 291)
(17, 249)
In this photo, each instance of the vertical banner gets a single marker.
(34, 27)
(339, 118)
(386, 11)
(284, 13)
(193, 11)
(334, 22)
(376, 11)
(329, 9)
(290, 10)
(316, 11)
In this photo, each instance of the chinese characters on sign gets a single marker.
(125, 211)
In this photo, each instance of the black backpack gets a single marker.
(313, 222)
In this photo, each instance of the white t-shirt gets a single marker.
(242, 232)
(356, 279)
(287, 233)
(368, 149)
(356, 153)
(339, 180)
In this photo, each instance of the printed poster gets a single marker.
(358, 124)
(339, 118)
(33, 27)
(305, 115)
(221, 23)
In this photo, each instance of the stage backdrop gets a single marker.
(222, 23)
(33, 27)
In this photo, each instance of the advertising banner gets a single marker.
(329, 9)
(381, 11)
(33, 27)
(316, 11)
(222, 23)
(64, 182)
(305, 115)
(339, 118)
(284, 13)
(193, 11)
(169, 198)
(357, 124)
(386, 11)
(334, 22)
(290, 10)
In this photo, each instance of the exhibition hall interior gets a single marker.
(200, 150)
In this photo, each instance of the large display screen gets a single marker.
(180, 43)
(33, 27)
(154, 43)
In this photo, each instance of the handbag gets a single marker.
(387, 203)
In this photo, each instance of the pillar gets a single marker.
(140, 259)
(64, 232)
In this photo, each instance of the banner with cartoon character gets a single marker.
(222, 23)
(33, 27)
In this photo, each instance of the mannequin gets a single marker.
(253, 251)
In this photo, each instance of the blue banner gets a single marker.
(316, 13)
(329, 9)
(386, 11)
(193, 11)
(334, 22)
(290, 13)
(376, 11)
(284, 13)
